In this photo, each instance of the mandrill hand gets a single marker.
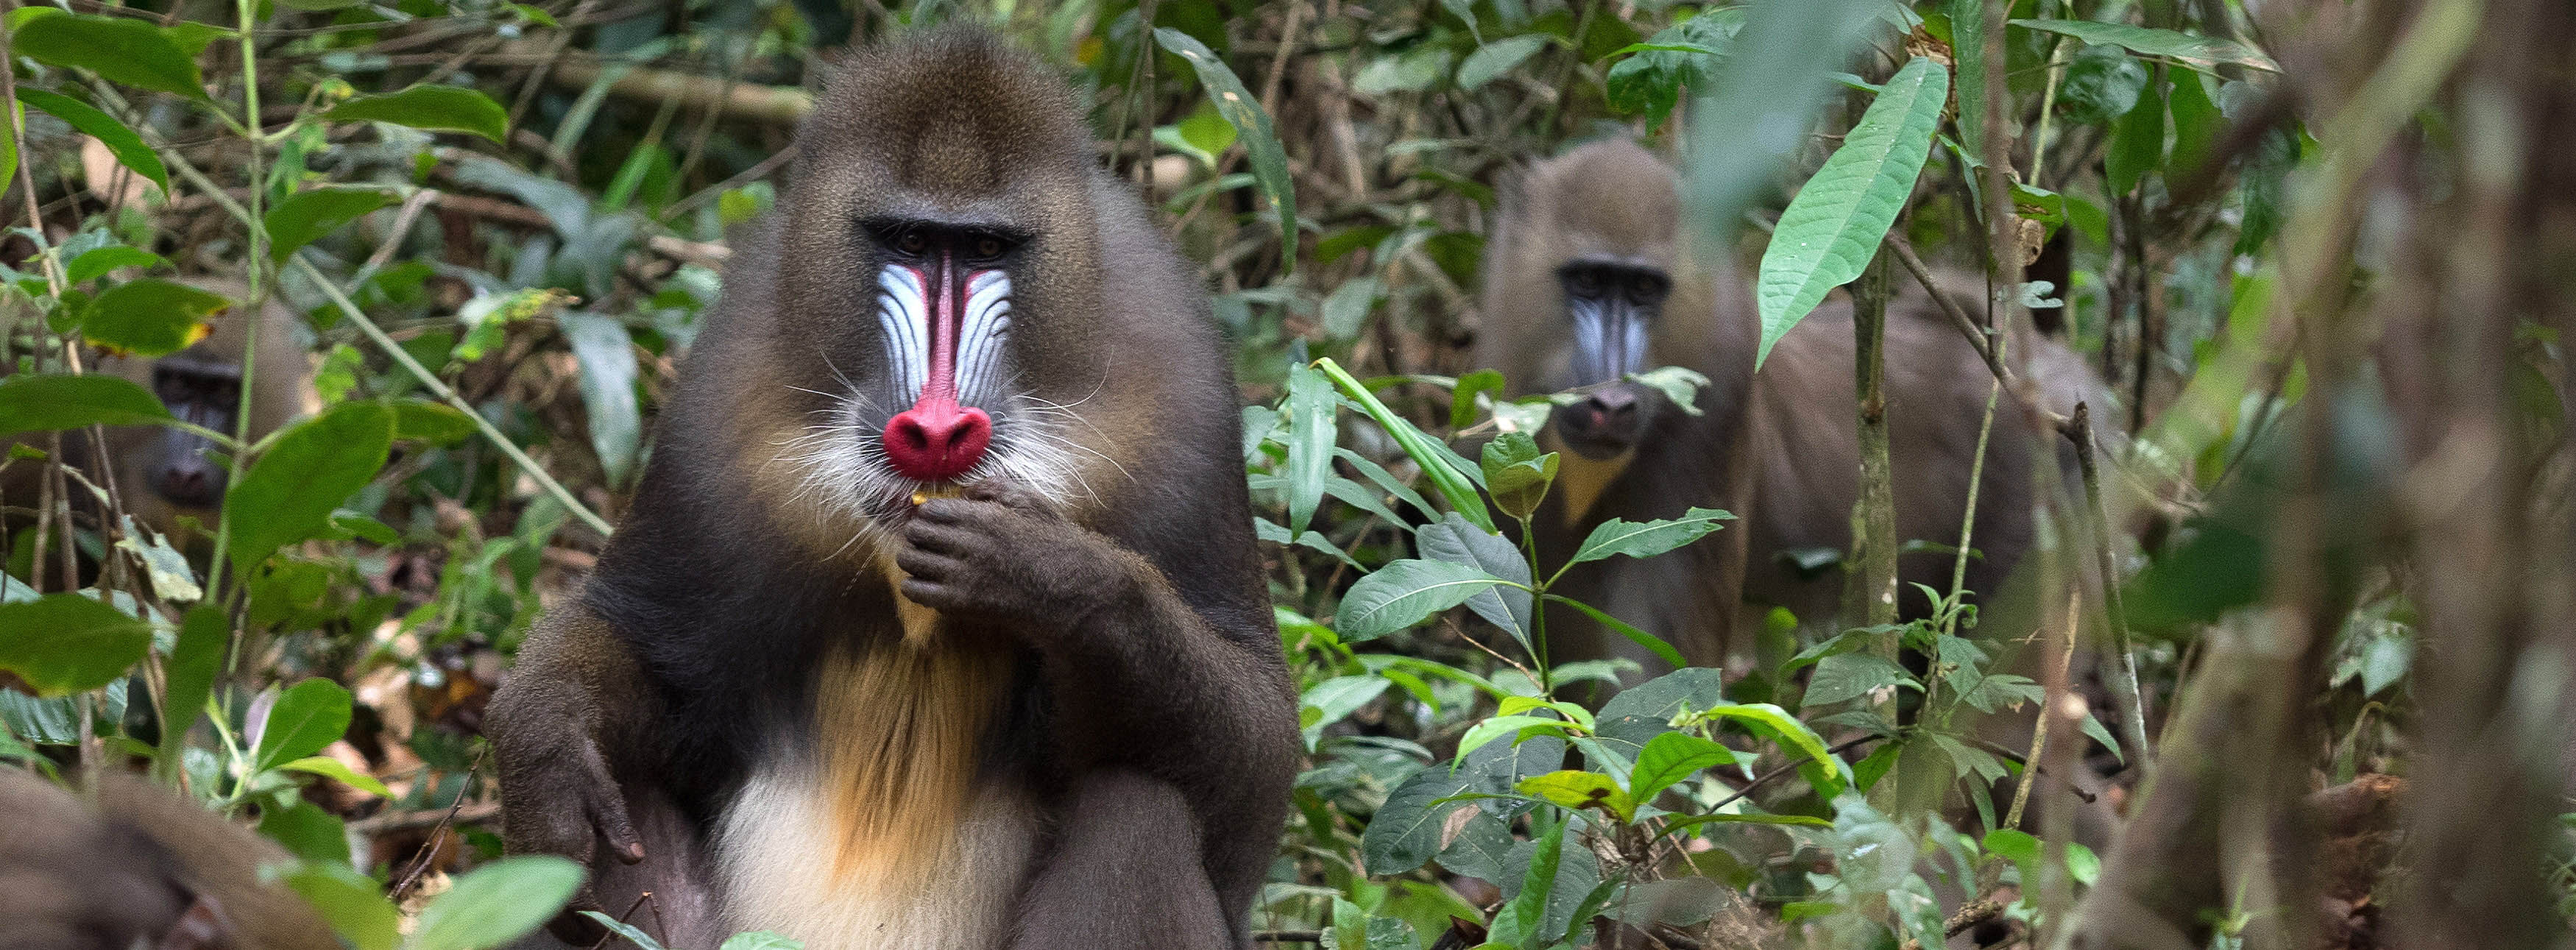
(557, 793)
(997, 552)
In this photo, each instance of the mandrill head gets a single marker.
(938, 276)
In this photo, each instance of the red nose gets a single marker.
(937, 440)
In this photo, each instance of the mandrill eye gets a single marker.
(988, 247)
(912, 243)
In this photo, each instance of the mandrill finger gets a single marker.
(930, 565)
(607, 807)
(940, 538)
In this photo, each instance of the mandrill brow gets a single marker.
(936, 621)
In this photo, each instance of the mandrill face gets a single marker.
(1611, 305)
(940, 291)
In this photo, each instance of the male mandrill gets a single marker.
(1587, 280)
(937, 621)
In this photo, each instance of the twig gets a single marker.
(393, 821)
(1287, 936)
(438, 833)
(1968, 915)
(2123, 661)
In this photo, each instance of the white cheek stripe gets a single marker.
(904, 314)
(979, 337)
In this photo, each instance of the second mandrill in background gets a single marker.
(937, 622)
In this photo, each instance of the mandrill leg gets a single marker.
(1125, 872)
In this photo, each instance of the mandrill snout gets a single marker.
(937, 440)
(1604, 424)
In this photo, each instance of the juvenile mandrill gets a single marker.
(1587, 281)
(937, 621)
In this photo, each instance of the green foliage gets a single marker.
(1832, 229)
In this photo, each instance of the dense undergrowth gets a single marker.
(499, 225)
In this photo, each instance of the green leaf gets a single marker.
(1531, 905)
(1462, 399)
(1438, 463)
(642, 940)
(1260, 141)
(354, 904)
(1822, 770)
(67, 643)
(2137, 144)
(289, 494)
(307, 831)
(195, 657)
(1345, 311)
(150, 317)
(432, 108)
(1846, 676)
(1496, 58)
(2197, 123)
(309, 715)
(2102, 84)
(1670, 758)
(1517, 473)
(1833, 227)
(42, 402)
(761, 940)
(1311, 412)
(437, 423)
(306, 216)
(96, 262)
(606, 355)
(1621, 536)
(1453, 540)
(1641, 638)
(120, 49)
(338, 771)
(497, 903)
(2202, 51)
(167, 569)
(120, 141)
(1679, 384)
(1968, 47)
(1404, 593)
(1580, 790)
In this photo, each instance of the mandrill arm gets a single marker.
(1142, 682)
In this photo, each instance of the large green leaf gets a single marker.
(1453, 540)
(121, 49)
(2137, 144)
(306, 717)
(1312, 427)
(1269, 158)
(1496, 58)
(120, 141)
(44, 402)
(1651, 642)
(497, 903)
(1832, 228)
(150, 317)
(67, 643)
(433, 108)
(1672, 757)
(1575, 789)
(353, 903)
(289, 494)
(195, 657)
(1968, 47)
(1403, 593)
(606, 355)
(306, 216)
(1620, 536)
(2201, 51)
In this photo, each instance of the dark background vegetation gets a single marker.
(2324, 251)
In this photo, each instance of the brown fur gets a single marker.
(1778, 448)
(127, 862)
(875, 723)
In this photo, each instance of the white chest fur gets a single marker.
(783, 872)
